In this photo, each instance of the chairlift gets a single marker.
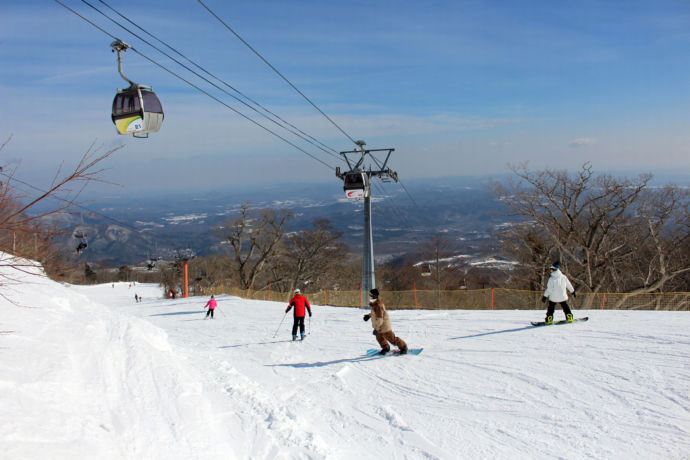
(427, 272)
(83, 242)
(152, 262)
(356, 184)
(136, 109)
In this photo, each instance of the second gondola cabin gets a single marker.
(137, 111)
(356, 184)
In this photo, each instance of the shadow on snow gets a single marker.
(326, 363)
(175, 313)
(256, 343)
(492, 333)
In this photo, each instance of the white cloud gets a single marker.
(580, 141)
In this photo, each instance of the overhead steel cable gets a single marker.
(201, 90)
(304, 137)
(70, 203)
(397, 211)
(400, 182)
(278, 72)
(323, 146)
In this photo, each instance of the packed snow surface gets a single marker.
(88, 373)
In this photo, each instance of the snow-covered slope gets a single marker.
(88, 373)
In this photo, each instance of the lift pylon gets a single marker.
(357, 184)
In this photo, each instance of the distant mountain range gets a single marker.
(130, 230)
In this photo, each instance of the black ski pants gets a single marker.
(552, 307)
(210, 312)
(298, 321)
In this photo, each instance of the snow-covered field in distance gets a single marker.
(89, 373)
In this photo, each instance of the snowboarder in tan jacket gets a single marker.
(382, 325)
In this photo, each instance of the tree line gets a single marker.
(609, 233)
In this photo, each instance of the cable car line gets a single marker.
(277, 72)
(71, 203)
(212, 96)
(202, 90)
(89, 212)
(217, 78)
(299, 134)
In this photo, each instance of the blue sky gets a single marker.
(456, 87)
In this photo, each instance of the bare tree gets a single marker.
(528, 244)
(660, 238)
(22, 232)
(599, 227)
(255, 237)
(312, 256)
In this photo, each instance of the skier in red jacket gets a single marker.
(299, 302)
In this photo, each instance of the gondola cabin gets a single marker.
(356, 185)
(137, 111)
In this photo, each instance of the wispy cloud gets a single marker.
(582, 141)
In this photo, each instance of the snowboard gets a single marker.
(542, 323)
(410, 351)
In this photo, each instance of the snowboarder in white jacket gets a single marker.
(557, 289)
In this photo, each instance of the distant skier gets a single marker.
(382, 325)
(557, 289)
(299, 302)
(211, 305)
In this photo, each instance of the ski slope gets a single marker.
(89, 373)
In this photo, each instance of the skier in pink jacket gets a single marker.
(211, 305)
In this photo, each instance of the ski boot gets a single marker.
(294, 337)
(403, 350)
(302, 336)
(549, 320)
(569, 318)
(383, 352)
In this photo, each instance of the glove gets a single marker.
(544, 299)
(574, 294)
(310, 314)
(287, 309)
(366, 317)
(374, 333)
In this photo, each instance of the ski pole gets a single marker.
(281, 323)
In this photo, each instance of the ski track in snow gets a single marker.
(89, 373)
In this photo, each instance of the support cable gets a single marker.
(277, 72)
(297, 133)
(201, 90)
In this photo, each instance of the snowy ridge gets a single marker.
(89, 373)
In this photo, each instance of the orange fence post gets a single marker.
(186, 279)
(603, 301)
(414, 287)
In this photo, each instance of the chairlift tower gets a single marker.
(357, 185)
